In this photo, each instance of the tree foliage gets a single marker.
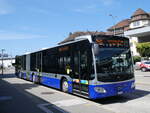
(136, 59)
(144, 49)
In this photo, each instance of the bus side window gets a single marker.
(84, 65)
(76, 66)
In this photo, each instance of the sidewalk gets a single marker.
(10, 70)
(142, 77)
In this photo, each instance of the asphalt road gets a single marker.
(14, 101)
(20, 96)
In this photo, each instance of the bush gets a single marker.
(136, 59)
(144, 49)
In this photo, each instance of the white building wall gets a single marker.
(134, 36)
(139, 23)
(133, 42)
(7, 63)
(146, 22)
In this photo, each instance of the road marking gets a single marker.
(3, 98)
(62, 103)
(42, 107)
(70, 102)
(45, 108)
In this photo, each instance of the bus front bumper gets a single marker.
(107, 90)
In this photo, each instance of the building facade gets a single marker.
(119, 28)
(137, 28)
(7, 62)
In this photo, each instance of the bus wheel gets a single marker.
(31, 78)
(38, 80)
(143, 69)
(19, 75)
(64, 85)
(34, 79)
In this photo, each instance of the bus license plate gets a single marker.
(120, 92)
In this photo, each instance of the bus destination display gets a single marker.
(112, 43)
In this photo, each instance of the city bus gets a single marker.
(92, 66)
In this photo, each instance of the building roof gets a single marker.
(123, 23)
(81, 33)
(139, 12)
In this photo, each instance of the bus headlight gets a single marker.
(100, 90)
(133, 85)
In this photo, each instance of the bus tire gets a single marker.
(31, 79)
(38, 80)
(143, 69)
(21, 76)
(34, 79)
(64, 85)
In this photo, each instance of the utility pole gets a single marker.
(2, 60)
(113, 17)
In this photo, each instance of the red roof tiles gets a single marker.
(123, 23)
(81, 33)
(139, 12)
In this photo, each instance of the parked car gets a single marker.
(137, 66)
(145, 66)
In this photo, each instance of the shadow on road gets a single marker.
(138, 93)
(11, 75)
(23, 101)
(123, 98)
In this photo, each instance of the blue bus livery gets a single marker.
(93, 66)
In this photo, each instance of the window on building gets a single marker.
(145, 22)
(144, 16)
(136, 23)
(120, 30)
(136, 17)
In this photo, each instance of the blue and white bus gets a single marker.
(93, 66)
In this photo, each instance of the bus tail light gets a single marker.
(100, 90)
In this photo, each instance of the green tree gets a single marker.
(144, 49)
(136, 59)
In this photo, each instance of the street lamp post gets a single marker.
(113, 17)
(2, 60)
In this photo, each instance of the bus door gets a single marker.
(39, 62)
(80, 72)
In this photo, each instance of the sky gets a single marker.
(29, 25)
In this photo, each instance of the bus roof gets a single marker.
(77, 39)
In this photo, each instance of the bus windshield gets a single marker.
(113, 64)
